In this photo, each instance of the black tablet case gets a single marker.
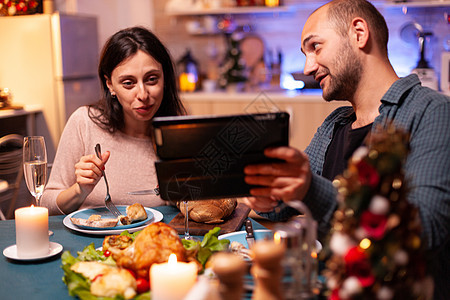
(203, 157)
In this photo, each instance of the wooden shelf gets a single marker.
(230, 11)
(419, 4)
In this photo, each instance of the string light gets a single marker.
(365, 244)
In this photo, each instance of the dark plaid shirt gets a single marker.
(426, 115)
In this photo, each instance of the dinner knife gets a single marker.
(154, 191)
(250, 237)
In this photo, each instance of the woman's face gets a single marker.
(138, 83)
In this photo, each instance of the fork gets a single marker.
(108, 203)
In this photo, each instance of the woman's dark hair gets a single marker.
(122, 45)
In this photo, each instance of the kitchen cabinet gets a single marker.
(306, 112)
(230, 11)
(419, 4)
(311, 4)
(206, 21)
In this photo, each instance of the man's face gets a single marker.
(330, 58)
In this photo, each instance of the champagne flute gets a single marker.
(187, 236)
(35, 165)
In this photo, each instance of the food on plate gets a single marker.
(118, 241)
(106, 280)
(95, 221)
(135, 213)
(209, 211)
(115, 282)
(201, 251)
(154, 244)
(241, 250)
(90, 269)
(95, 273)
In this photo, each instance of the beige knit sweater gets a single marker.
(129, 168)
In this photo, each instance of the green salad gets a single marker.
(79, 286)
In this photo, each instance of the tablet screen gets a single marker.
(202, 157)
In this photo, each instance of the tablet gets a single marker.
(203, 157)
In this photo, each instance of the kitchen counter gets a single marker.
(25, 110)
(304, 96)
(307, 109)
(29, 120)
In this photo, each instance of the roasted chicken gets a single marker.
(153, 245)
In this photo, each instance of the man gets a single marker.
(345, 44)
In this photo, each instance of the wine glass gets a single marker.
(187, 236)
(35, 165)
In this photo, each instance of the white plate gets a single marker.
(260, 234)
(157, 216)
(239, 236)
(11, 252)
(104, 213)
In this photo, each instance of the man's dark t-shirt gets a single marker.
(345, 141)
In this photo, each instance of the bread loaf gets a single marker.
(209, 211)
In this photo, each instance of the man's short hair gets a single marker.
(342, 12)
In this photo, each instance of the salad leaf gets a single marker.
(210, 235)
(89, 253)
(76, 283)
(207, 246)
(191, 245)
(212, 242)
(131, 235)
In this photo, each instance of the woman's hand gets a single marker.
(288, 180)
(89, 171)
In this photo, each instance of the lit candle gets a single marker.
(172, 280)
(272, 3)
(32, 231)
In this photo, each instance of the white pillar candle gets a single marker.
(172, 280)
(32, 232)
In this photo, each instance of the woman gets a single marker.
(138, 83)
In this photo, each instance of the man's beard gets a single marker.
(343, 84)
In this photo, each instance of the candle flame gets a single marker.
(32, 205)
(172, 259)
(277, 238)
